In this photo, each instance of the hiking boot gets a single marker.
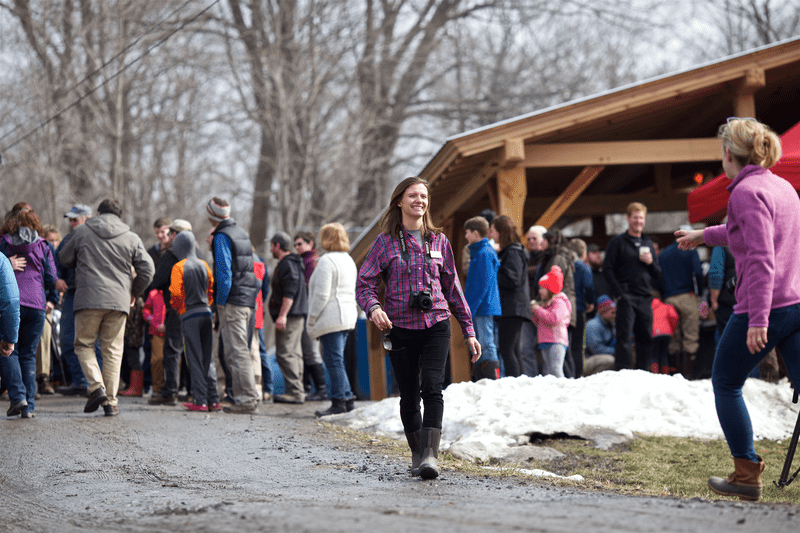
(159, 399)
(17, 408)
(337, 407)
(96, 397)
(744, 482)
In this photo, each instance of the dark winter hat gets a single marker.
(216, 211)
(78, 210)
(283, 240)
(553, 281)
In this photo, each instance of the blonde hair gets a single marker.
(636, 206)
(751, 142)
(333, 238)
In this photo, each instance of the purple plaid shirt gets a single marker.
(385, 262)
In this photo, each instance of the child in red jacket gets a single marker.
(154, 312)
(665, 320)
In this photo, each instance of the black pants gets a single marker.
(634, 319)
(576, 343)
(509, 331)
(173, 346)
(418, 359)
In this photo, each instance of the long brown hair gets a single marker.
(507, 231)
(21, 215)
(393, 218)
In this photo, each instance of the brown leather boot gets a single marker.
(744, 482)
(137, 382)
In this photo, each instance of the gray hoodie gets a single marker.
(105, 253)
(191, 280)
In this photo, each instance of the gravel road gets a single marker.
(165, 469)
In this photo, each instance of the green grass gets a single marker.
(646, 466)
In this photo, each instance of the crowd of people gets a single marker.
(131, 320)
(546, 307)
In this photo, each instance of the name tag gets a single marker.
(436, 254)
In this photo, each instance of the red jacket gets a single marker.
(665, 318)
(154, 311)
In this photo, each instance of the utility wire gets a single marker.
(113, 76)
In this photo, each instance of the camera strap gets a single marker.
(407, 255)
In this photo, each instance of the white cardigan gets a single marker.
(332, 295)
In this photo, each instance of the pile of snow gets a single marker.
(488, 419)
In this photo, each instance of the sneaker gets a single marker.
(27, 414)
(240, 409)
(97, 397)
(215, 407)
(110, 410)
(159, 399)
(190, 406)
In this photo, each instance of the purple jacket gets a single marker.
(762, 232)
(40, 272)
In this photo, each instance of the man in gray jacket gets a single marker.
(112, 268)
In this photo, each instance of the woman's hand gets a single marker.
(756, 339)
(18, 262)
(380, 319)
(474, 348)
(689, 240)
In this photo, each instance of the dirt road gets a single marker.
(164, 469)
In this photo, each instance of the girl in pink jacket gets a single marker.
(552, 317)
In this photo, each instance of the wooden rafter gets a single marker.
(621, 153)
(586, 206)
(569, 196)
(473, 185)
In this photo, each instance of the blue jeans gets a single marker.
(266, 373)
(19, 368)
(484, 331)
(333, 354)
(68, 341)
(733, 363)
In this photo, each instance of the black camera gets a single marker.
(420, 300)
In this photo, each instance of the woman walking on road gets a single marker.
(762, 228)
(332, 311)
(415, 260)
(35, 270)
(512, 278)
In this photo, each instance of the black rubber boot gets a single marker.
(317, 373)
(414, 439)
(350, 403)
(429, 464)
(337, 407)
(487, 370)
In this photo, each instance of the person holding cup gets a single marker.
(630, 269)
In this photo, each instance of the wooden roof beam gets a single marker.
(587, 206)
(465, 192)
(513, 153)
(569, 196)
(621, 153)
(745, 90)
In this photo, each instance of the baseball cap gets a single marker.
(78, 210)
(178, 225)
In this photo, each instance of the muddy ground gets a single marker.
(164, 469)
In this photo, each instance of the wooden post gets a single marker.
(377, 364)
(745, 102)
(512, 190)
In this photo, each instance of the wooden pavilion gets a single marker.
(646, 142)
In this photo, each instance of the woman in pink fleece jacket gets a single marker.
(762, 229)
(552, 317)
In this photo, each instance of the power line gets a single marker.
(113, 76)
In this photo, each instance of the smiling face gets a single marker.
(301, 246)
(162, 234)
(636, 223)
(414, 202)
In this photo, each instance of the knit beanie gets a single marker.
(217, 212)
(604, 301)
(553, 281)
